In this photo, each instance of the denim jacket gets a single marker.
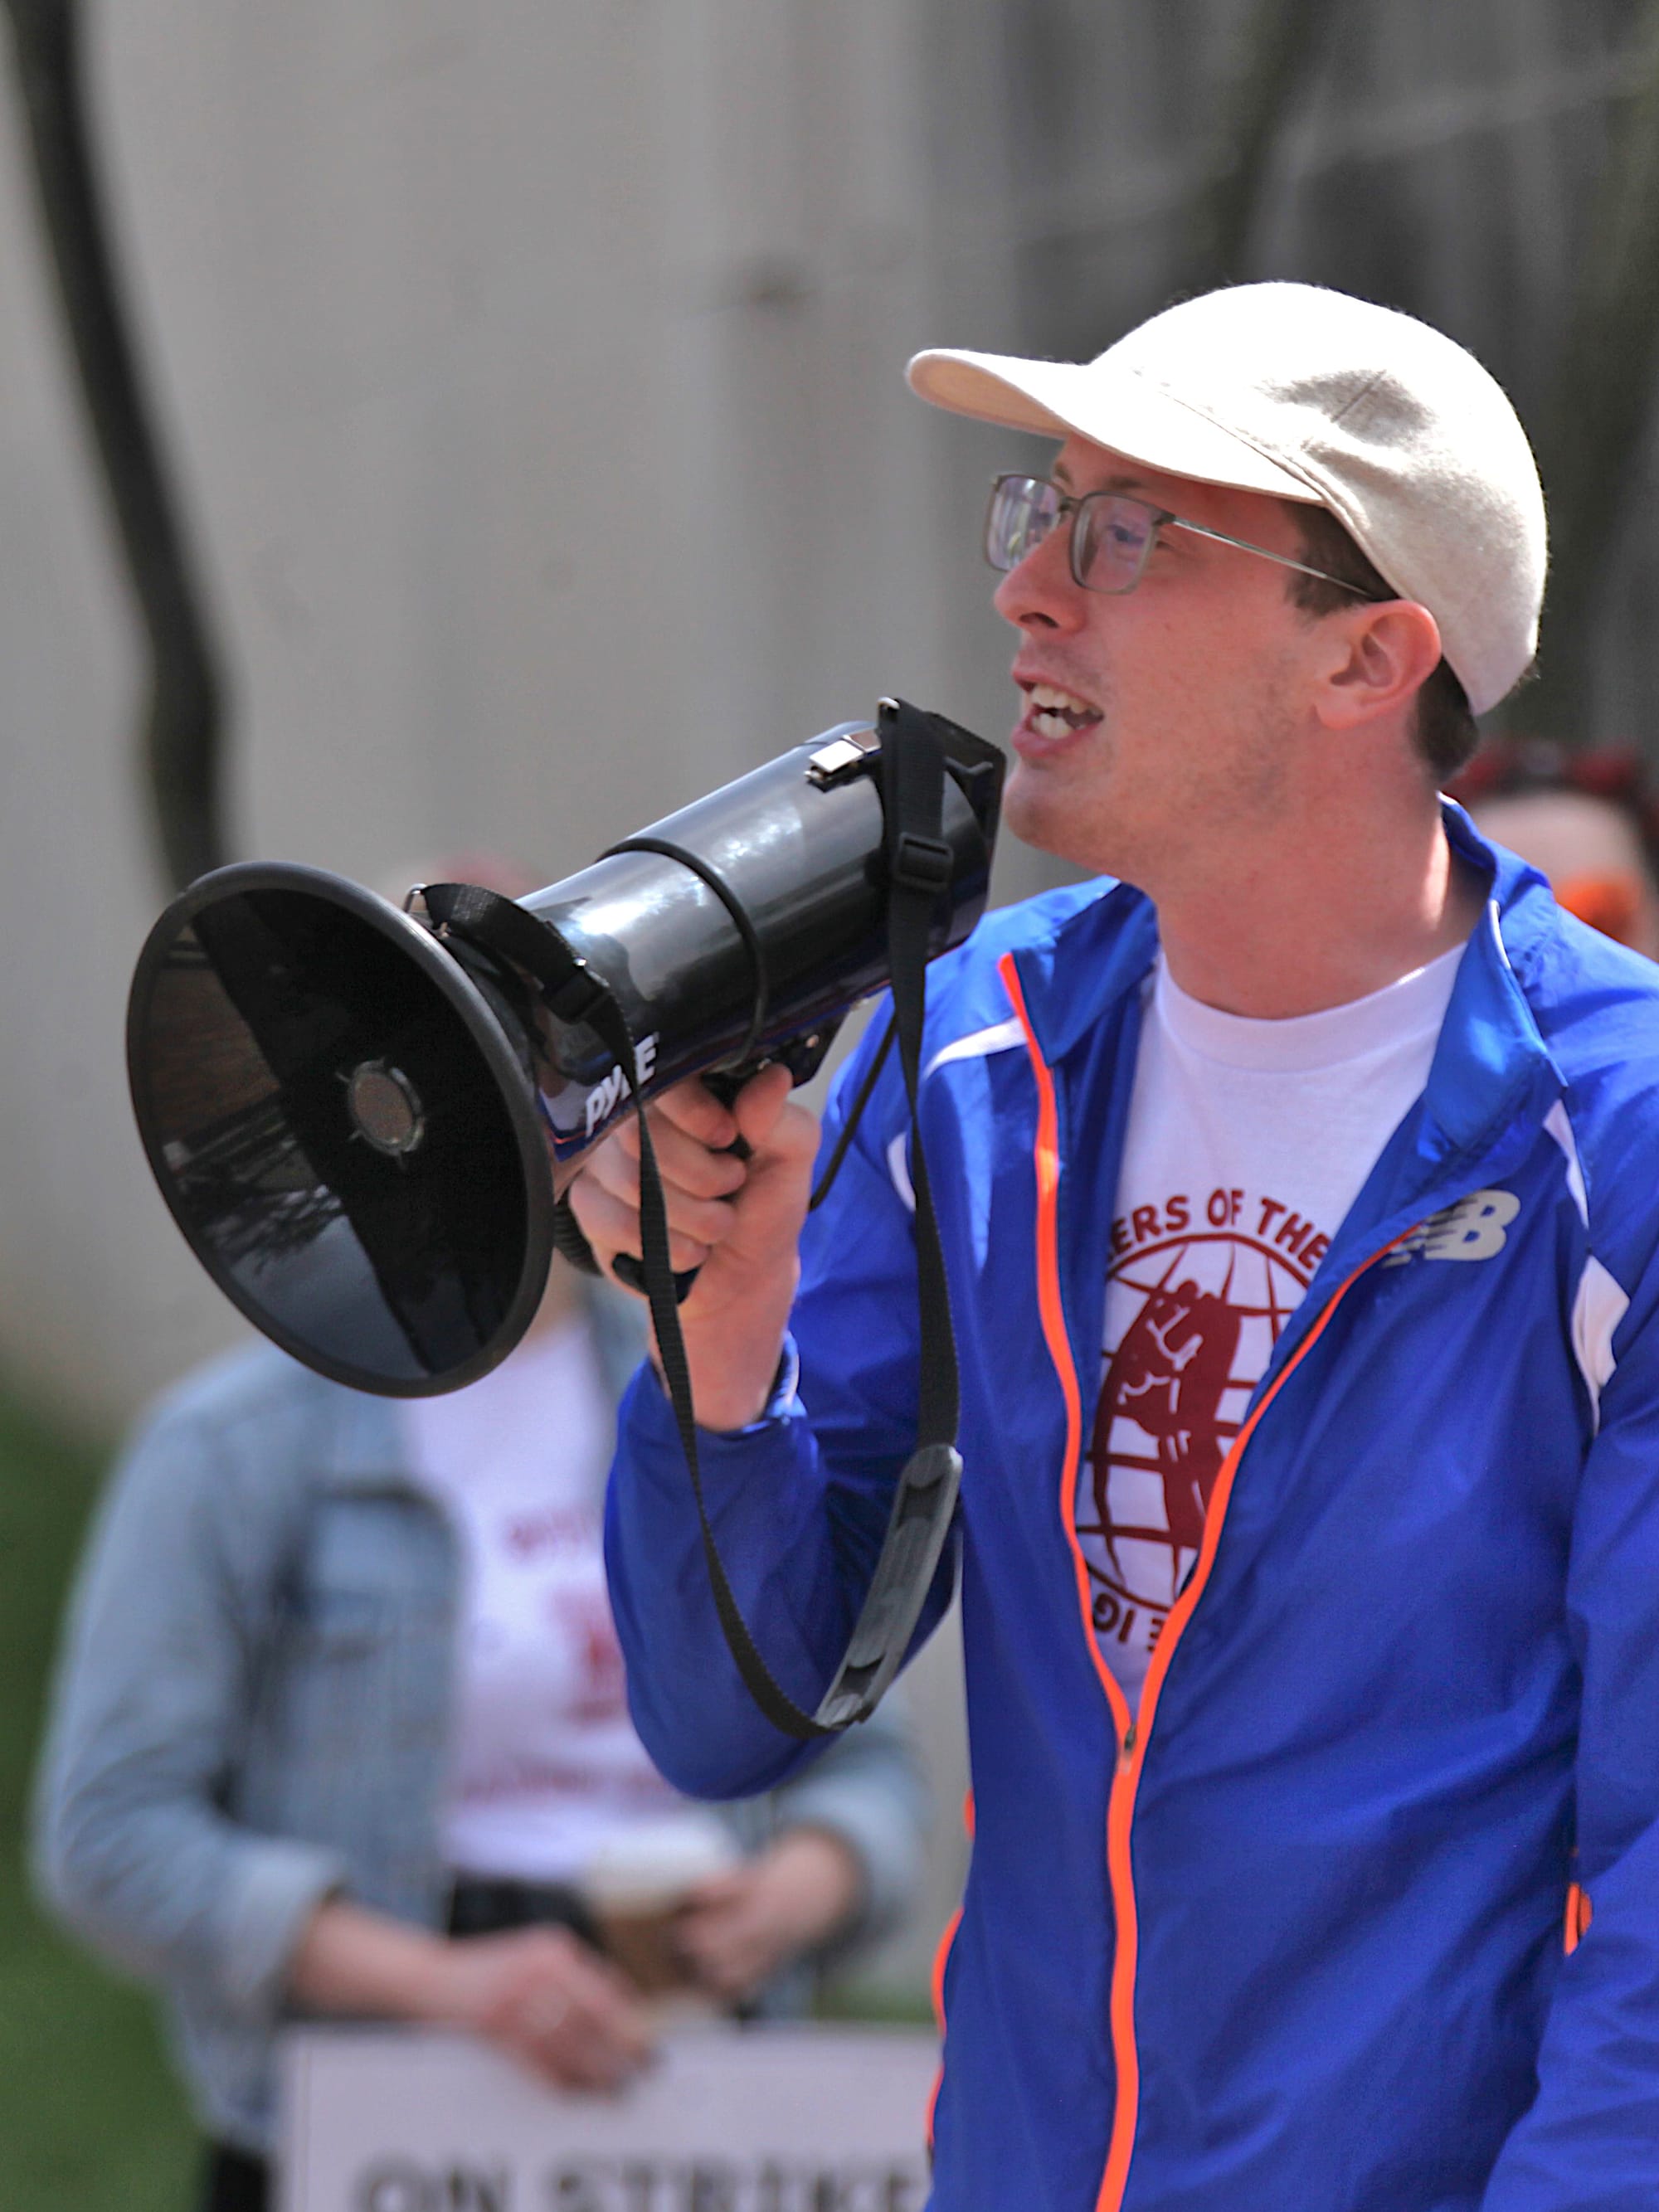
(254, 1703)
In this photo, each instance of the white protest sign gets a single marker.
(786, 2119)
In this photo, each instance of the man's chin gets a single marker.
(1035, 809)
(1083, 840)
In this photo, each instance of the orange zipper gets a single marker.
(1132, 1735)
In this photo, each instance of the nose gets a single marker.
(1041, 594)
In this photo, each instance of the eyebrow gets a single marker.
(1062, 476)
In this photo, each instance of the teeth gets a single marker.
(1050, 698)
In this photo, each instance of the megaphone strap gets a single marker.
(918, 870)
(854, 1114)
(741, 922)
(913, 770)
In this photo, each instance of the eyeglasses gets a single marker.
(1112, 534)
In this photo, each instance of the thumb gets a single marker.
(758, 1105)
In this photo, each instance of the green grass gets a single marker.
(874, 2001)
(90, 2118)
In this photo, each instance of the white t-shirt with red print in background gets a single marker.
(546, 1770)
(1247, 1142)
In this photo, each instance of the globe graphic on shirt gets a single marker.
(1203, 1314)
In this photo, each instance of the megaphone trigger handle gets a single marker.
(725, 1084)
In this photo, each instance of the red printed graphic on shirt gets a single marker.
(598, 1692)
(1197, 1294)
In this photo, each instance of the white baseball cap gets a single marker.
(1311, 395)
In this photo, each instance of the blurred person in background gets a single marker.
(340, 1728)
(1586, 820)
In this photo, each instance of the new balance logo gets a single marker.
(1472, 1229)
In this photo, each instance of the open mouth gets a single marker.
(1053, 712)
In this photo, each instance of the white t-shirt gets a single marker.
(1247, 1142)
(546, 1769)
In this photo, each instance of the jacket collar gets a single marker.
(1491, 1068)
(1096, 956)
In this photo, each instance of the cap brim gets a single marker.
(1110, 407)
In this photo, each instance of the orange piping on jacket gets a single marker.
(1053, 1331)
(1579, 1915)
(1120, 1815)
(941, 1960)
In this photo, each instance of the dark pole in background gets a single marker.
(183, 715)
(1279, 45)
(1592, 441)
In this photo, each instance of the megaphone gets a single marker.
(358, 1116)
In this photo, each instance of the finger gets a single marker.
(575, 2015)
(611, 1226)
(709, 1220)
(715, 1890)
(683, 1163)
(696, 1185)
(731, 1963)
(603, 2040)
(578, 2059)
(759, 1104)
(703, 1948)
(573, 2058)
(793, 1140)
(769, 1214)
(693, 1108)
(579, 1973)
(713, 1934)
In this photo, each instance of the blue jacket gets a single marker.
(252, 1710)
(1295, 1937)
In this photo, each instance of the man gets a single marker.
(1299, 1208)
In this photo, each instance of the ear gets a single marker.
(1375, 660)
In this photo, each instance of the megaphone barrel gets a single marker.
(350, 1110)
(746, 926)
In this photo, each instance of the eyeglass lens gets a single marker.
(1024, 510)
(1111, 539)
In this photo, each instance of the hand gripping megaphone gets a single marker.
(349, 1109)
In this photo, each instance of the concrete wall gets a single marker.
(533, 383)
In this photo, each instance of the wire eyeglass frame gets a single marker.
(1082, 507)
